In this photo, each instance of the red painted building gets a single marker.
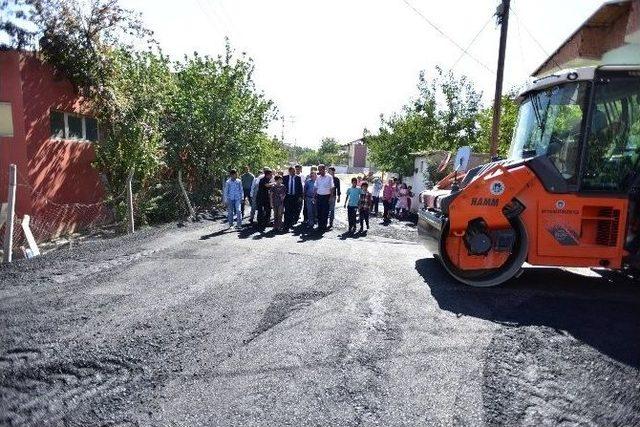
(47, 130)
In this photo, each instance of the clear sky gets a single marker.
(333, 66)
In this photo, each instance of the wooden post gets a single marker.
(11, 199)
(192, 213)
(503, 20)
(132, 227)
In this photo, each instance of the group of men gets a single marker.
(283, 197)
(271, 194)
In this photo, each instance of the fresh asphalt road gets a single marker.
(202, 325)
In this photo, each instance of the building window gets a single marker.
(6, 119)
(91, 129)
(57, 125)
(73, 126)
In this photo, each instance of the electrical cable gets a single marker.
(447, 37)
(215, 25)
(534, 39)
(472, 42)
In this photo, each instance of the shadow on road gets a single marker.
(601, 312)
(217, 233)
(353, 235)
(311, 235)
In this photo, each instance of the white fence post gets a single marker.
(11, 199)
(132, 227)
(26, 229)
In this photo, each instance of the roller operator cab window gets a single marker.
(613, 142)
(549, 124)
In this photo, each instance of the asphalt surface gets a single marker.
(203, 325)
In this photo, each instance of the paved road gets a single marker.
(202, 325)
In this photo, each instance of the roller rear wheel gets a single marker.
(488, 277)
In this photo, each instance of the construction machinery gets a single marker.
(567, 195)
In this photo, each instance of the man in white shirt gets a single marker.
(323, 188)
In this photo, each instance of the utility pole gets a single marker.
(291, 121)
(502, 13)
(282, 134)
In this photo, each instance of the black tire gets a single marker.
(492, 277)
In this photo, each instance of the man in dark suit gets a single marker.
(263, 202)
(293, 199)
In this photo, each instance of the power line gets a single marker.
(520, 23)
(519, 38)
(226, 23)
(447, 37)
(472, 41)
(215, 25)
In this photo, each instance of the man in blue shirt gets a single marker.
(233, 195)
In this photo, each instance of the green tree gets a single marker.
(91, 45)
(508, 119)
(75, 37)
(141, 86)
(200, 115)
(458, 110)
(414, 128)
(330, 152)
(217, 120)
(132, 123)
(303, 155)
(445, 115)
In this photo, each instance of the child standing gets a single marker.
(351, 203)
(377, 189)
(277, 193)
(364, 205)
(403, 201)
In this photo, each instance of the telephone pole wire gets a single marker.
(502, 13)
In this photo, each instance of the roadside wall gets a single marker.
(13, 148)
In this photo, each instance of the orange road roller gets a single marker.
(568, 194)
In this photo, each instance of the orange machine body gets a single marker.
(571, 230)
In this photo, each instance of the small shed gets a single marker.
(358, 156)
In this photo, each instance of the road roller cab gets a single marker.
(567, 195)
